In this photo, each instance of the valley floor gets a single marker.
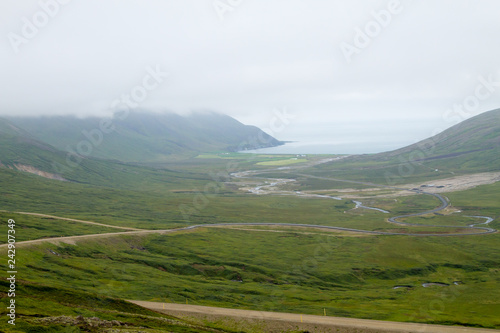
(380, 272)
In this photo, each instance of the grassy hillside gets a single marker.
(40, 308)
(294, 271)
(20, 151)
(479, 133)
(18, 147)
(36, 227)
(291, 271)
(146, 137)
(469, 147)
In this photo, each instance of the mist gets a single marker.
(366, 75)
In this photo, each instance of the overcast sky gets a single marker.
(360, 76)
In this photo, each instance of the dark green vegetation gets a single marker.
(151, 206)
(46, 309)
(142, 138)
(469, 147)
(294, 271)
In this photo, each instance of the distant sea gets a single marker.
(324, 148)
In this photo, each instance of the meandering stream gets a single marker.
(271, 186)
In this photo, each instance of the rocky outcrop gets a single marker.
(35, 171)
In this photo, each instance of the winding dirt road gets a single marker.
(333, 322)
(74, 239)
(75, 220)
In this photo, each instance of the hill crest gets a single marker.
(142, 137)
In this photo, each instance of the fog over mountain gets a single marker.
(359, 76)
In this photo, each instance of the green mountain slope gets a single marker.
(41, 308)
(145, 137)
(480, 133)
(469, 147)
(20, 151)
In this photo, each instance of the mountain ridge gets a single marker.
(144, 137)
(80, 161)
(472, 146)
(480, 132)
